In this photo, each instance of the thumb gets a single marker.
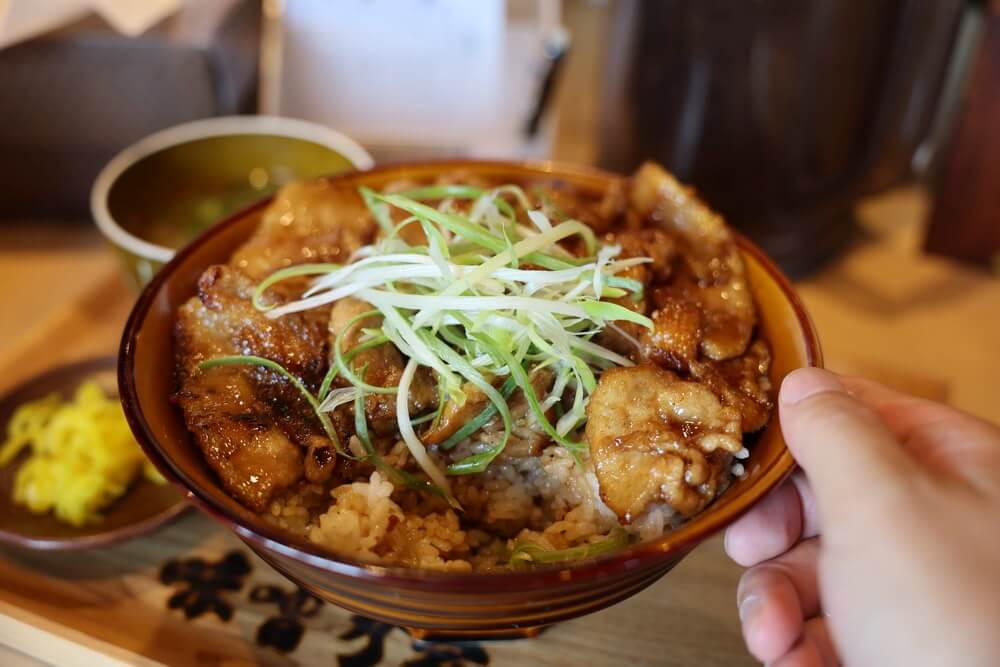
(854, 463)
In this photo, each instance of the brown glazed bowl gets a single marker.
(442, 604)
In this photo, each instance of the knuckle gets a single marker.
(830, 410)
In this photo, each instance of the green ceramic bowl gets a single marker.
(159, 193)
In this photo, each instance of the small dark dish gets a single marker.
(481, 604)
(142, 509)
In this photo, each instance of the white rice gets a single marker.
(547, 500)
(527, 495)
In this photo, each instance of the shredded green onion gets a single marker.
(395, 475)
(413, 443)
(527, 554)
(331, 373)
(476, 462)
(442, 192)
(480, 420)
(341, 362)
(524, 382)
(471, 232)
(284, 274)
(491, 296)
(378, 209)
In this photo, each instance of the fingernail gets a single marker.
(806, 382)
(748, 607)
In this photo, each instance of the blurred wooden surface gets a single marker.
(925, 324)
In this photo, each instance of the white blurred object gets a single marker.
(415, 77)
(24, 19)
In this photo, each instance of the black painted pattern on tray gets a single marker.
(374, 649)
(201, 589)
(447, 654)
(284, 631)
(426, 654)
(203, 583)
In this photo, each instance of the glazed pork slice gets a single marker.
(741, 383)
(714, 275)
(676, 336)
(456, 415)
(656, 438)
(251, 424)
(308, 222)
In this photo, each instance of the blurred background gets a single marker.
(784, 114)
(857, 141)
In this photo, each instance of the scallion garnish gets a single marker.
(527, 554)
(395, 475)
(443, 192)
(285, 274)
(340, 357)
(479, 421)
(490, 296)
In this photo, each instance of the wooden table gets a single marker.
(883, 310)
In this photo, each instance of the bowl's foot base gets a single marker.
(426, 635)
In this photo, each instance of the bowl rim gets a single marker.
(205, 128)
(274, 540)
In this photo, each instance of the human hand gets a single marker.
(884, 549)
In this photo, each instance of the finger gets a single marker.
(814, 649)
(936, 435)
(775, 524)
(774, 599)
(905, 414)
(854, 463)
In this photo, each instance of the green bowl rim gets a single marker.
(206, 128)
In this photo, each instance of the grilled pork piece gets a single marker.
(309, 222)
(656, 438)
(741, 383)
(250, 422)
(454, 415)
(676, 335)
(713, 273)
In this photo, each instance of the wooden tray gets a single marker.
(192, 594)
